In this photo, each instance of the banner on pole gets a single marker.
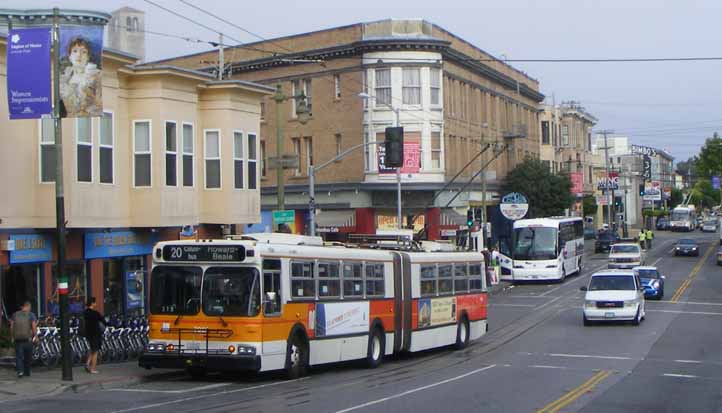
(28, 73)
(715, 182)
(81, 66)
(577, 179)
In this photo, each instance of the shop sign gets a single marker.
(31, 248)
(328, 230)
(448, 232)
(118, 244)
(514, 206)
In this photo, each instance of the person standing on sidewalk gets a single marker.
(643, 239)
(650, 237)
(23, 328)
(94, 329)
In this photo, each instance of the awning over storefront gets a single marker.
(451, 218)
(342, 220)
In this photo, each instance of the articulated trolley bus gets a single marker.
(286, 302)
(547, 248)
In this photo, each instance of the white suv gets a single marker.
(626, 255)
(615, 295)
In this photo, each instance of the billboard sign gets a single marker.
(611, 183)
(644, 150)
(646, 168)
(653, 191)
(412, 159)
(81, 67)
(514, 206)
(28, 73)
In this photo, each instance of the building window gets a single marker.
(383, 87)
(565, 135)
(128, 24)
(337, 86)
(309, 95)
(252, 162)
(367, 149)
(299, 86)
(188, 155)
(545, 132)
(338, 144)
(309, 151)
(238, 160)
(262, 148)
(297, 151)
(84, 139)
(263, 110)
(411, 90)
(171, 154)
(106, 148)
(141, 154)
(213, 159)
(435, 83)
(47, 150)
(436, 150)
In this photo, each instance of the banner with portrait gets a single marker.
(81, 67)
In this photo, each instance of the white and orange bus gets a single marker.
(286, 302)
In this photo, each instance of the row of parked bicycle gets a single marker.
(123, 340)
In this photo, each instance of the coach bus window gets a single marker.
(353, 279)
(231, 292)
(303, 284)
(461, 278)
(272, 284)
(374, 279)
(329, 284)
(476, 277)
(176, 290)
(428, 280)
(446, 284)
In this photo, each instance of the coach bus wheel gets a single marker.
(296, 358)
(376, 349)
(462, 334)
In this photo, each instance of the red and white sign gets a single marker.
(412, 159)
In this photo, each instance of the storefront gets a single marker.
(22, 279)
(119, 269)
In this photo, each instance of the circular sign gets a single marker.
(514, 206)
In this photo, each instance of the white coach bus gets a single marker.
(546, 248)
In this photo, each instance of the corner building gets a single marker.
(451, 97)
(163, 156)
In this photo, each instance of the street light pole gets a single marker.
(279, 97)
(398, 178)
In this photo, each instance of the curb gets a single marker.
(119, 382)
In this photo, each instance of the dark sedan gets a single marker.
(604, 241)
(686, 247)
(662, 224)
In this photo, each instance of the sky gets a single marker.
(668, 105)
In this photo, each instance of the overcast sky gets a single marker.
(670, 105)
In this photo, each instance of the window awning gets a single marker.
(449, 217)
(342, 220)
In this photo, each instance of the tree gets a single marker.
(703, 195)
(709, 161)
(590, 205)
(548, 194)
(677, 197)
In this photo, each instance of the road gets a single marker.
(537, 357)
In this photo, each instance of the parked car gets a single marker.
(699, 222)
(686, 246)
(613, 296)
(626, 255)
(590, 233)
(662, 224)
(604, 241)
(719, 256)
(652, 281)
(709, 225)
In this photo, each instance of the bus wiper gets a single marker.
(177, 319)
(180, 315)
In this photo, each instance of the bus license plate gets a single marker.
(609, 315)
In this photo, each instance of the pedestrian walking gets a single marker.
(94, 329)
(643, 239)
(649, 237)
(23, 329)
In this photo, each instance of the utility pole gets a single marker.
(221, 59)
(67, 363)
(483, 192)
(607, 186)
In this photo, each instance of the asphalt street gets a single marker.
(537, 357)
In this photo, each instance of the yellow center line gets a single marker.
(688, 281)
(575, 393)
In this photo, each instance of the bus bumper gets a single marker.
(211, 362)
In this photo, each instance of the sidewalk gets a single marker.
(44, 382)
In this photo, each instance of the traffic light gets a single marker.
(394, 146)
(641, 189)
(470, 217)
(617, 202)
(477, 215)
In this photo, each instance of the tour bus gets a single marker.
(684, 218)
(546, 249)
(265, 302)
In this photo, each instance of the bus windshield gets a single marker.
(680, 215)
(231, 291)
(176, 290)
(535, 243)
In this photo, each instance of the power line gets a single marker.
(578, 60)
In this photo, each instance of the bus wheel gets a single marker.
(462, 334)
(296, 357)
(377, 345)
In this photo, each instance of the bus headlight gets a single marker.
(246, 350)
(156, 347)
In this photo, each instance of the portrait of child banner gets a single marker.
(81, 86)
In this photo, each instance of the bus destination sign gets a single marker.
(206, 253)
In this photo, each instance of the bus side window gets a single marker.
(477, 279)
(329, 283)
(461, 278)
(303, 284)
(446, 283)
(353, 279)
(374, 279)
(272, 287)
